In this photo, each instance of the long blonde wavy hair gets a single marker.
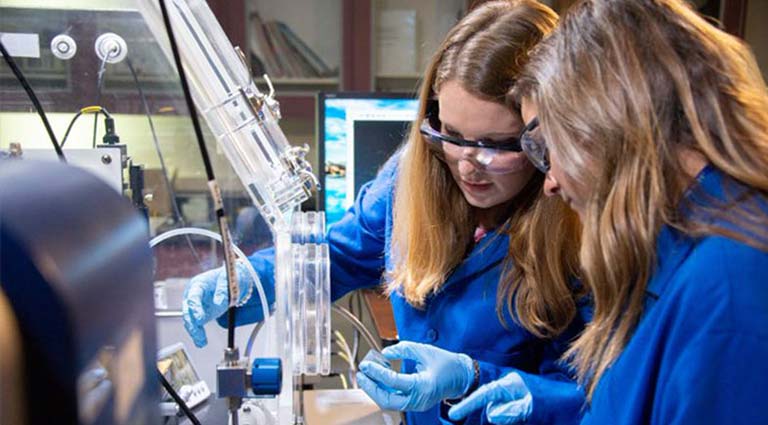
(433, 222)
(622, 87)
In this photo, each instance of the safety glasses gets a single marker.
(534, 145)
(493, 156)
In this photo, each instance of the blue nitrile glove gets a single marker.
(376, 357)
(205, 298)
(506, 401)
(440, 374)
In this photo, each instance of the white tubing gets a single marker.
(215, 236)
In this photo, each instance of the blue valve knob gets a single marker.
(266, 377)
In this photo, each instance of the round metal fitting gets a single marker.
(63, 47)
(111, 46)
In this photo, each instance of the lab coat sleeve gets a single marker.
(719, 375)
(719, 379)
(357, 242)
(557, 399)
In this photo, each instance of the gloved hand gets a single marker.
(206, 298)
(440, 374)
(378, 358)
(506, 401)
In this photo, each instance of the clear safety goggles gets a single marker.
(534, 146)
(493, 156)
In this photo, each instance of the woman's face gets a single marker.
(469, 117)
(556, 182)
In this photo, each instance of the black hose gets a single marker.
(24, 83)
(220, 216)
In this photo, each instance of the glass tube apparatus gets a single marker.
(277, 177)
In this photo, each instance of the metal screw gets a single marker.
(106, 159)
(15, 149)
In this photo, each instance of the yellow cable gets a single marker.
(91, 109)
(343, 340)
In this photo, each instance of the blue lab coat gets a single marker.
(460, 318)
(700, 352)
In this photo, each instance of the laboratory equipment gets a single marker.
(75, 274)
(174, 363)
(104, 162)
(244, 122)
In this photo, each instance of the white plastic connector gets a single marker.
(111, 46)
(63, 47)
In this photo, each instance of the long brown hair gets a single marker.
(433, 222)
(622, 88)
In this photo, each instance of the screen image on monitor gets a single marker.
(357, 133)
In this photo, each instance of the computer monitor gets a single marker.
(357, 133)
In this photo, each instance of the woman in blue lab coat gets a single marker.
(653, 125)
(442, 224)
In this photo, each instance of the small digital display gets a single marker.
(177, 369)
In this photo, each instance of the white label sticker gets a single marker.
(20, 45)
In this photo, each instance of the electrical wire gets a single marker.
(342, 342)
(215, 192)
(343, 356)
(69, 128)
(99, 83)
(164, 170)
(177, 399)
(343, 378)
(344, 381)
(31, 93)
(87, 110)
(346, 355)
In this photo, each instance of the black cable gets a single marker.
(24, 83)
(187, 94)
(177, 399)
(69, 128)
(163, 168)
(77, 115)
(220, 217)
